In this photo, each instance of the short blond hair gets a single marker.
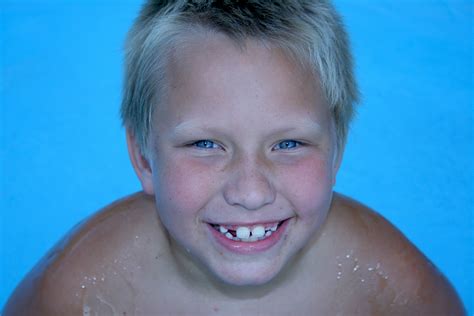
(310, 31)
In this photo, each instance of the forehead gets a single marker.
(211, 74)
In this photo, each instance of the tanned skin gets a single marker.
(119, 261)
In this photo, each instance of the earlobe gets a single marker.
(140, 164)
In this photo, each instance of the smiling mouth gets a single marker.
(244, 233)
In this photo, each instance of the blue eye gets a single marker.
(287, 144)
(205, 144)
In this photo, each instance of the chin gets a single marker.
(250, 274)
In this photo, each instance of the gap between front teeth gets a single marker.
(244, 233)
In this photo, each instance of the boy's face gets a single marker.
(244, 142)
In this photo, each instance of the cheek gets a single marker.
(308, 186)
(182, 187)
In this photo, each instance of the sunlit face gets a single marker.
(243, 158)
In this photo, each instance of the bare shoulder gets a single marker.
(96, 254)
(385, 266)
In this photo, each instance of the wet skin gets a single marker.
(120, 260)
(244, 137)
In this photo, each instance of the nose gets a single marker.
(249, 186)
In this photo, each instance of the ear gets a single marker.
(140, 164)
(337, 162)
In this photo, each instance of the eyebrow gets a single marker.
(195, 125)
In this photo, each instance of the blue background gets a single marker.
(63, 152)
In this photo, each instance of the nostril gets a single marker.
(249, 186)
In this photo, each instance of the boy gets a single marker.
(237, 115)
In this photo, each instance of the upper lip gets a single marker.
(246, 223)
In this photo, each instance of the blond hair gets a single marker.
(309, 31)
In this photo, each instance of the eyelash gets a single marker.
(204, 142)
(295, 144)
(209, 144)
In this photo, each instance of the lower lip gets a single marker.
(242, 247)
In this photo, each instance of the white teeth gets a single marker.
(247, 234)
(258, 231)
(243, 232)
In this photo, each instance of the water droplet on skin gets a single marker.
(355, 268)
(385, 277)
(362, 280)
(348, 256)
(338, 277)
(83, 286)
(339, 264)
(86, 310)
(136, 237)
(370, 268)
(102, 279)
